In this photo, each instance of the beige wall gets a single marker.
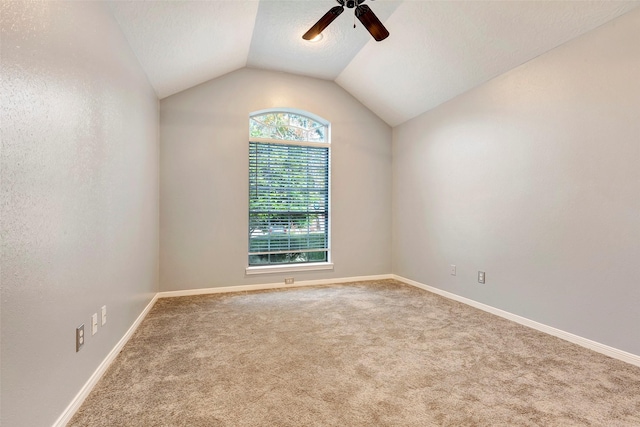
(533, 177)
(79, 199)
(204, 179)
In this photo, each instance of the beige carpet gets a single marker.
(357, 354)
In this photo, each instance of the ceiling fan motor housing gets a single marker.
(351, 3)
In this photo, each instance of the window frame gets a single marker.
(304, 266)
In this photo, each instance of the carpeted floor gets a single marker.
(358, 354)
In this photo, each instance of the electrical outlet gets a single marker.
(94, 323)
(79, 337)
(104, 314)
(452, 269)
(480, 276)
(288, 281)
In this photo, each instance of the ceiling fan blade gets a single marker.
(324, 22)
(371, 22)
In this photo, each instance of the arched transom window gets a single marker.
(287, 126)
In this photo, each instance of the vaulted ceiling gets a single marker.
(436, 50)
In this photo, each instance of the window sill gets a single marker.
(268, 269)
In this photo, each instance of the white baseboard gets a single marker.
(93, 380)
(278, 285)
(77, 401)
(584, 342)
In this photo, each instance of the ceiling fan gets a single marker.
(362, 12)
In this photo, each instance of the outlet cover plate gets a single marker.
(481, 277)
(94, 323)
(79, 337)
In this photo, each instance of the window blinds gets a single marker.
(288, 203)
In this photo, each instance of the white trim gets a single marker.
(567, 336)
(288, 268)
(77, 401)
(278, 285)
(296, 111)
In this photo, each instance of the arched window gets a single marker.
(288, 191)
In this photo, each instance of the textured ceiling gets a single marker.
(436, 50)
